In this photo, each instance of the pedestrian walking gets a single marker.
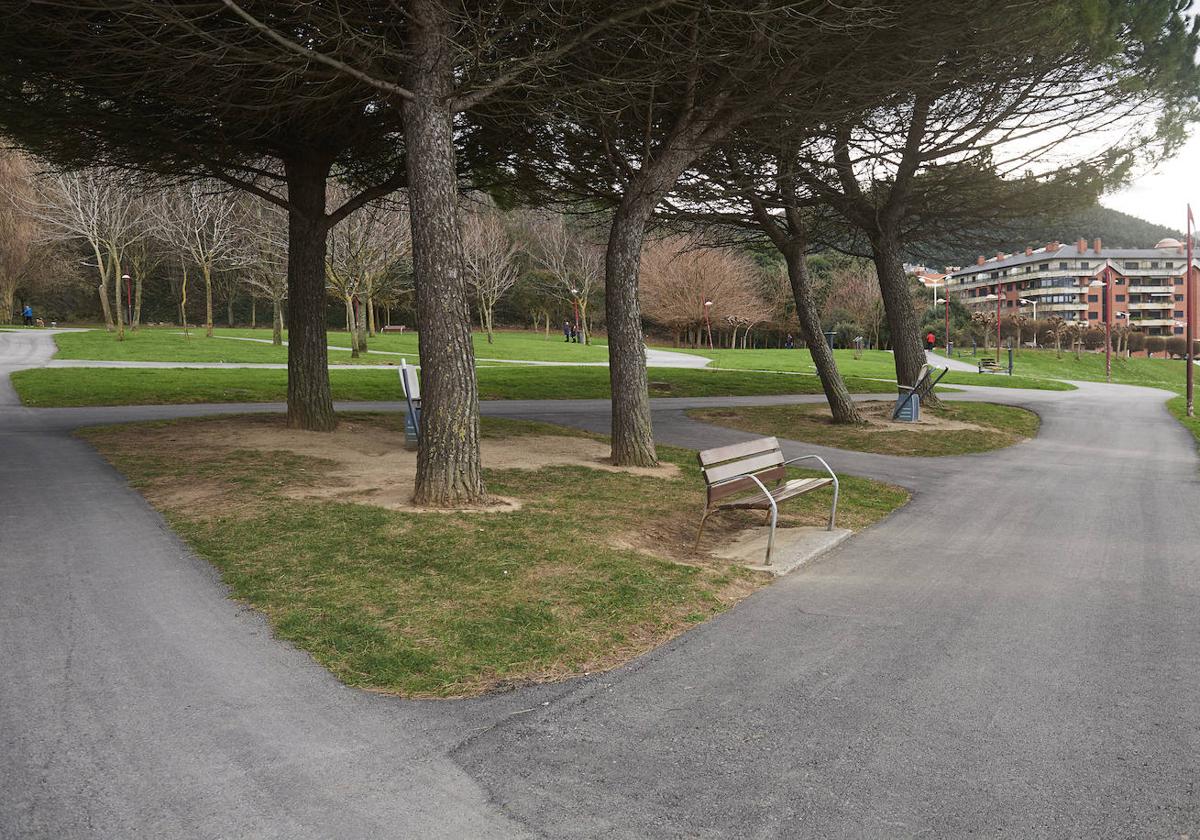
(930, 341)
(789, 343)
(567, 331)
(28, 313)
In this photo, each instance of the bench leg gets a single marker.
(771, 535)
(833, 509)
(700, 532)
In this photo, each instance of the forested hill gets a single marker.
(1116, 229)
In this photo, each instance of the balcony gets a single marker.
(1148, 288)
(1165, 303)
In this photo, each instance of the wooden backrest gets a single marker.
(761, 457)
(409, 380)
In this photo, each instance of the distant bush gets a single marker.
(1177, 346)
(1155, 344)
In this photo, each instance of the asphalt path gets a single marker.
(1015, 653)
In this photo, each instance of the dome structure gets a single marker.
(1169, 243)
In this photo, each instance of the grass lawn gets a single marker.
(50, 387)
(168, 344)
(874, 364)
(1178, 407)
(594, 569)
(1000, 426)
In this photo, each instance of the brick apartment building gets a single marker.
(1148, 287)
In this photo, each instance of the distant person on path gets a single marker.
(28, 313)
(789, 343)
(567, 331)
(930, 341)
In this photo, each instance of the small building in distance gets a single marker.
(1148, 287)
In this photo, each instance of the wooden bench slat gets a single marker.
(736, 450)
(790, 490)
(745, 466)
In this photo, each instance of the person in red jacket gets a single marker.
(930, 341)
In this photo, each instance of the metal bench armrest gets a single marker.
(832, 474)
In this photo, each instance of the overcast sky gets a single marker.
(1162, 196)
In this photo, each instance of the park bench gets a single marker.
(988, 365)
(753, 476)
(908, 403)
(411, 386)
(400, 328)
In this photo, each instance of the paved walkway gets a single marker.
(1014, 653)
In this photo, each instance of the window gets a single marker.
(1168, 264)
(1120, 281)
(1028, 269)
(1093, 316)
(1179, 298)
(1043, 266)
(1093, 298)
(1153, 264)
(1178, 281)
(1120, 298)
(1179, 331)
(1062, 266)
(1085, 264)
(1131, 265)
(1178, 313)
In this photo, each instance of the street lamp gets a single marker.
(575, 308)
(128, 300)
(708, 323)
(945, 300)
(1107, 311)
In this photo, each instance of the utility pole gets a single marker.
(1189, 293)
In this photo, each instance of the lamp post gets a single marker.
(945, 300)
(708, 323)
(1106, 284)
(1032, 301)
(128, 301)
(575, 309)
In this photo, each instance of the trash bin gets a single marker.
(829, 337)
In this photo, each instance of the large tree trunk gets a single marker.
(277, 322)
(208, 307)
(102, 288)
(898, 307)
(841, 406)
(137, 301)
(7, 291)
(229, 310)
(253, 312)
(632, 429)
(351, 327)
(310, 404)
(117, 308)
(448, 470)
(371, 316)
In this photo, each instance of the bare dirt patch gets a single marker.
(366, 463)
(879, 419)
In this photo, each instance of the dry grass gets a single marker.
(595, 568)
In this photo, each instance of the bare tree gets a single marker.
(854, 290)
(263, 254)
(489, 258)
(103, 210)
(687, 287)
(202, 219)
(20, 231)
(573, 266)
(362, 248)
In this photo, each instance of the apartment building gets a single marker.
(1147, 289)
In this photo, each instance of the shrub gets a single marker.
(1155, 344)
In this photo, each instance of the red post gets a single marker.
(1189, 294)
(1108, 325)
